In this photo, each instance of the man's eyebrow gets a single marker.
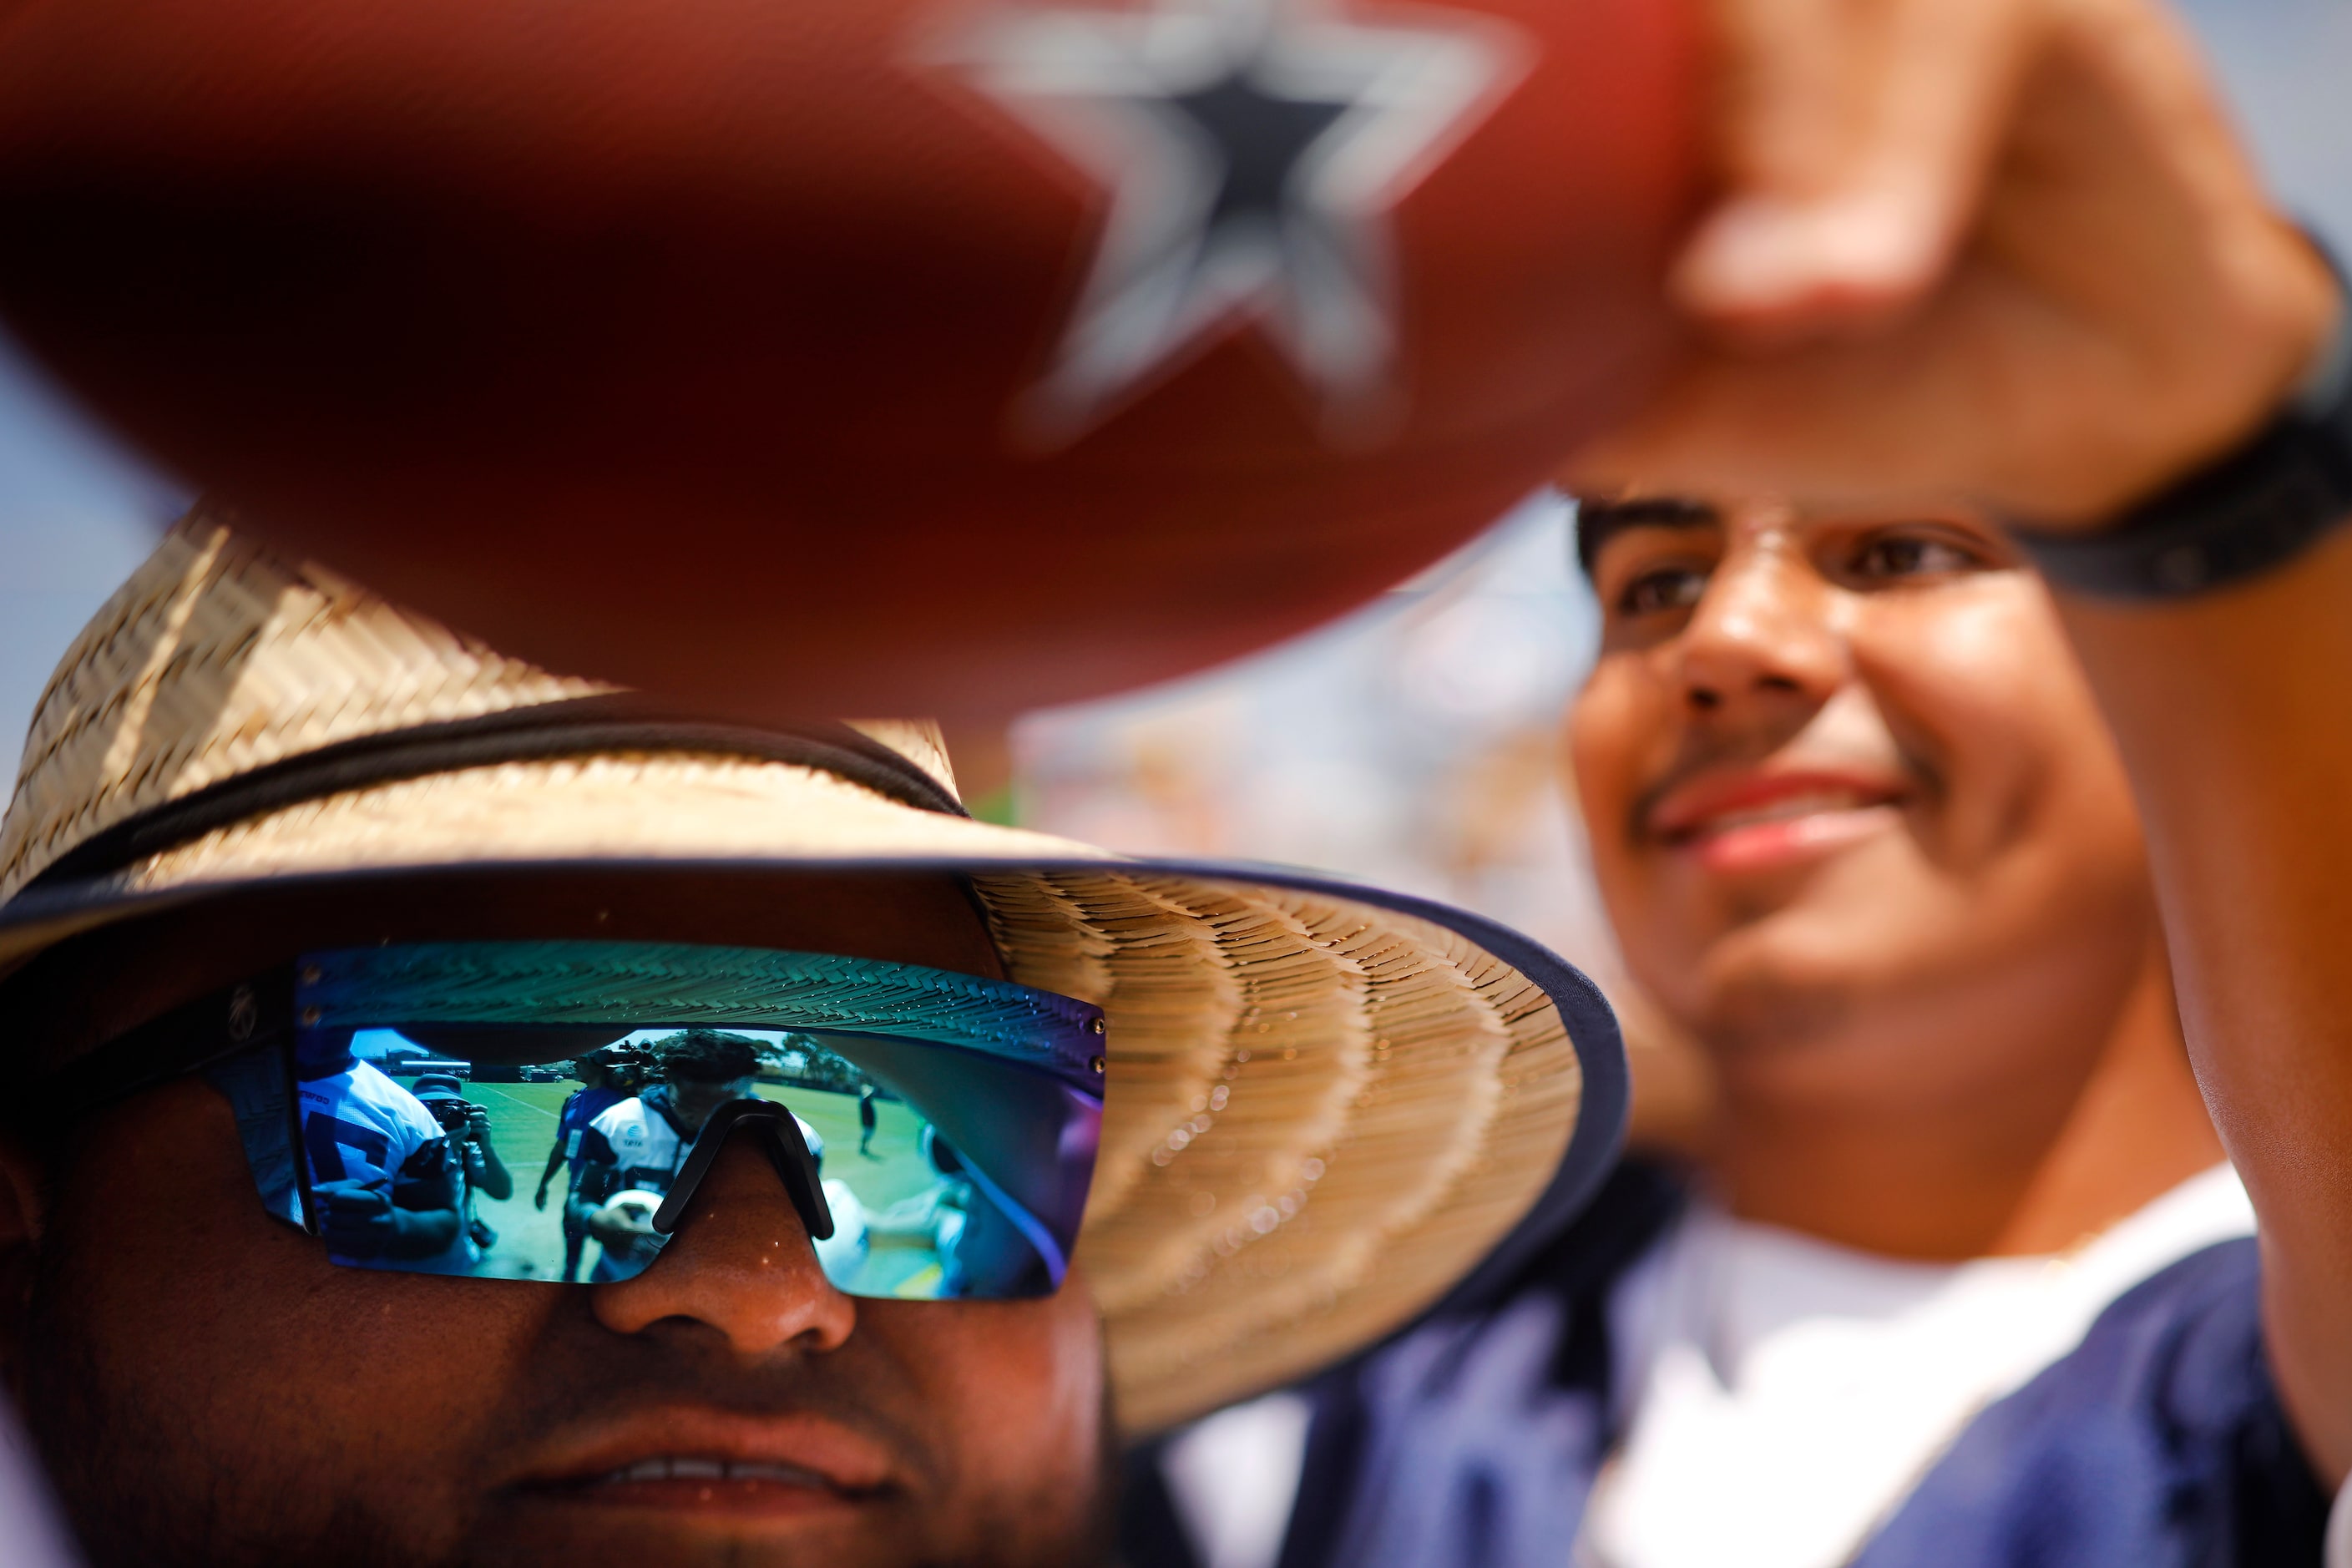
(1597, 520)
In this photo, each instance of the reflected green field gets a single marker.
(523, 1119)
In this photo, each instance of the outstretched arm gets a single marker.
(547, 1176)
(2010, 250)
(2235, 717)
(597, 1179)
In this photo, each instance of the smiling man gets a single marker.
(1863, 834)
(283, 855)
(1862, 830)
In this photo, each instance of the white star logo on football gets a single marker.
(1251, 152)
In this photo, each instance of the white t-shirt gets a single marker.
(1801, 1389)
(1805, 1389)
(650, 1153)
(647, 1149)
(360, 1126)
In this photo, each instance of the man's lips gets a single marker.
(709, 1462)
(1752, 820)
(711, 1487)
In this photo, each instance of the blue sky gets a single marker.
(76, 511)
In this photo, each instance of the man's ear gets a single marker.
(24, 1215)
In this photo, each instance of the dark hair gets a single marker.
(707, 1055)
(1598, 517)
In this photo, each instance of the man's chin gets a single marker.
(1781, 985)
(753, 1527)
(772, 1526)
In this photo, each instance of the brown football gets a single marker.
(853, 355)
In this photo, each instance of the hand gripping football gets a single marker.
(631, 1210)
(857, 356)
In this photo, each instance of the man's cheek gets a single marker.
(1618, 744)
(1663, 912)
(192, 1311)
(1017, 1388)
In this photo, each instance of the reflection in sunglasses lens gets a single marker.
(422, 1159)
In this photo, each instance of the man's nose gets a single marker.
(741, 1263)
(1761, 639)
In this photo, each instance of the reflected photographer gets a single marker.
(467, 1126)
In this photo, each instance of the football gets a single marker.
(631, 1210)
(854, 355)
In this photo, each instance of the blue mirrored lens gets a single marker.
(417, 1122)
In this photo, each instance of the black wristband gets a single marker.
(2250, 513)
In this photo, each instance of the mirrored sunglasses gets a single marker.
(545, 1110)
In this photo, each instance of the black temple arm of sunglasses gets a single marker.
(779, 1134)
(195, 1035)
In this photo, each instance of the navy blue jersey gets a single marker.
(360, 1126)
(582, 1106)
(1473, 1439)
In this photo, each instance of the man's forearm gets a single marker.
(496, 1181)
(595, 1183)
(2235, 715)
(421, 1232)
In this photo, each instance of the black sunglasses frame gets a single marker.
(777, 1133)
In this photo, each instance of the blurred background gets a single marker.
(1414, 744)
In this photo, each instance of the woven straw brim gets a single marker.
(1324, 1104)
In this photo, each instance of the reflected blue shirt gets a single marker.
(580, 1108)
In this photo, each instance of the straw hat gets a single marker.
(1325, 1104)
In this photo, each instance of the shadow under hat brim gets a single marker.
(1168, 1393)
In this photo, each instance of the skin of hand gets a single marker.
(356, 1220)
(618, 1230)
(2012, 250)
(2004, 249)
(587, 1213)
